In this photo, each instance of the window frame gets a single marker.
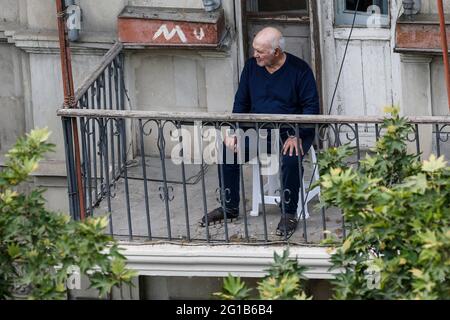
(344, 18)
(253, 11)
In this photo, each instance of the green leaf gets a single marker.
(434, 164)
(347, 244)
(14, 251)
(416, 184)
(40, 245)
(39, 135)
(233, 289)
(397, 211)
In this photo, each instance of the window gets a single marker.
(277, 6)
(367, 12)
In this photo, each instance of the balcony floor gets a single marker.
(178, 225)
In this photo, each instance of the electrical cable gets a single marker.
(334, 94)
(343, 58)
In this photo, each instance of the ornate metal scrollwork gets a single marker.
(441, 133)
(166, 193)
(226, 194)
(351, 135)
(285, 201)
(415, 134)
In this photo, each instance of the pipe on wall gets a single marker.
(444, 44)
(69, 102)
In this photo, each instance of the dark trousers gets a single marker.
(289, 173)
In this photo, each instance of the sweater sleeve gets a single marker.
(242, 101)
(308, 98)
(307, 93)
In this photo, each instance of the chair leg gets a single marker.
(312, 193)
(300, 204)
(273, 185)
(256, 194)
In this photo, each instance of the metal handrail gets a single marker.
(107, 59)
(215, 116)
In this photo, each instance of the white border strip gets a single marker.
(219, 261)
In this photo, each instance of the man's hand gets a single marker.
(231, 143)
(291, 145)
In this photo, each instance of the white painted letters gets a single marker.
(163, 30)
(199, 34)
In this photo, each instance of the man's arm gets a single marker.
(308, 99)
(309, 102)
(307, 93)
(242, 102)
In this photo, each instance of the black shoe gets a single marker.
(217, 215)
(287, 225)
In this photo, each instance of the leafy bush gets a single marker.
(283, 282)
(39, 248)
(398, 213)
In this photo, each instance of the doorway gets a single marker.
(291, 17)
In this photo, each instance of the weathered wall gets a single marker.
(184, 288)
(47, 96)
(366, 81)
(98, 16)
(182, 80)
(10, 10)
(373, 75)
(430, 6)
(179, 80)
(12, 120)
(439, 88)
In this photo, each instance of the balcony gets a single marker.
(154, 173)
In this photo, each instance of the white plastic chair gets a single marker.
(273, 184)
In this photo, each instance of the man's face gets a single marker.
(263, 54)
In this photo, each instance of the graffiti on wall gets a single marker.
(163, 30)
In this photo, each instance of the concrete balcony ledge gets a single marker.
(95, 43)
(5, 27)
(420, 34)
(220, 260)
(46, 41)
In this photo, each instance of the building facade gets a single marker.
(377, 71)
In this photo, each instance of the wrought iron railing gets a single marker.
(103, 89)
(154, 173)
(120, 148)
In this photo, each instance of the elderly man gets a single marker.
(272, 82)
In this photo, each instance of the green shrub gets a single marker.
(283, 282)
(38, 248)
(398, 213)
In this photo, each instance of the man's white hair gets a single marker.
(279, 43)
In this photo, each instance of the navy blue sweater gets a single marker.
(290, 90)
